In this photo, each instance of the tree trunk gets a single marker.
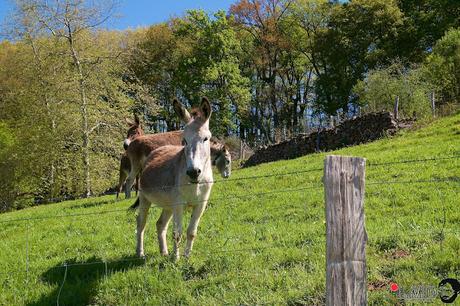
(84, 114)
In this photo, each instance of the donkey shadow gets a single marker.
(77, 283)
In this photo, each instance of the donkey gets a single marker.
(134, 132)
(141, 147)
(175, 177)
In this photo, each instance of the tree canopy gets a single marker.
(271, 69)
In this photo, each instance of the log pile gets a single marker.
(351, 132)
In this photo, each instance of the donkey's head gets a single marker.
(196, 138)
(222, 158)
(134, 131)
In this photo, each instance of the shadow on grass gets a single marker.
(78, 285)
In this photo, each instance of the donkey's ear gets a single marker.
(206, 108)
(181, 111)
(129, 122)
(137, 120)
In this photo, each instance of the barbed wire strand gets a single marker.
(27, 253)
(437, 180)
(369, 164)
(407, 161)
(145, 282)
(62, 285)
(444, 217)
(211, 252)
(255, 177)
(395, 222)
(179, 204)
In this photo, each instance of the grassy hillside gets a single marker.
(266, 246)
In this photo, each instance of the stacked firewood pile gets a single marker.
(351, 132)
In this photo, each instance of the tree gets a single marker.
(442, 67)
(358, 37)
(210, 66)
(424, 23)
(263, 19)
(190, 57)
(71, 22)
(378, 91)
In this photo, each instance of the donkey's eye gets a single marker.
(206, 139)
(184, 142)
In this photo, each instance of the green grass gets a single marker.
(249, 250)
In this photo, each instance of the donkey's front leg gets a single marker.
(162, 228)
(193, 227)
(141, 221)
(178, 211)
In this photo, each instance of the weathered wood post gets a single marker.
(346, 236)
(396, 110)
(433, 104)
(241, 149)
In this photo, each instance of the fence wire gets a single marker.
(314, 185)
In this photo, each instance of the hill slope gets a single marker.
(260, 241)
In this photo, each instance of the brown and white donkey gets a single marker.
(138, 148)
(134, 131)
(175, 177)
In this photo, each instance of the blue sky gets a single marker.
(136, 13)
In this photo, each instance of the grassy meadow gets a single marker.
(261, 241)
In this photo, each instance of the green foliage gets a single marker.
(425, 22)
(271, 69)
(7, 142)
(250, 250)
(192, 57)
(378, 91)
(442, 67)
(40, 95)
(211, 67)
(356, 40)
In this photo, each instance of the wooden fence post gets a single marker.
(344, 180)
(433, 104)
(396, 110)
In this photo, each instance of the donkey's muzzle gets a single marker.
(193, 173)
(126, 144)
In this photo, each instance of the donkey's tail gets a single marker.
(134, 206)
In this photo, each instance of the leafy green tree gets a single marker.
(71, 23)
(442, 67)
(357, 38)
(378, 91)
(210, 67)
(264, 21)
(424, 23)
(190, 57)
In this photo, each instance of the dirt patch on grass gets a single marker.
(377, 285)
(397, 254)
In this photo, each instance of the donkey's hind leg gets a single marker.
(130, 180)
(178, 211)
(162, 228)
(144, 206)
(137, 184)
